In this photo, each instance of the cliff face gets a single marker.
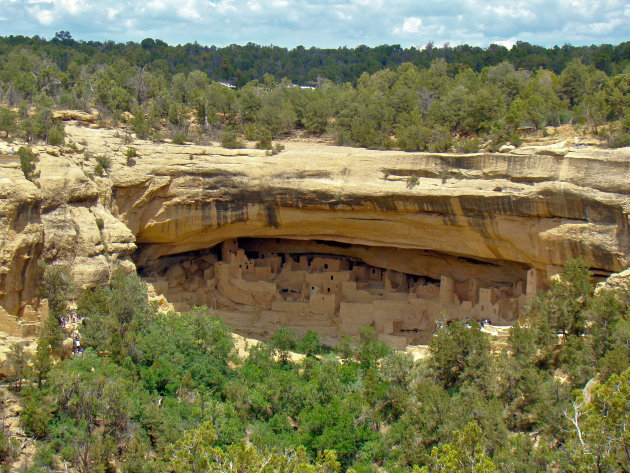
(21, 235)
(537, 210)
(58, 218)
(491, 217)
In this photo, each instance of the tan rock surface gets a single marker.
(484, 214)
(21, 235)
(533, 209)
(60, 218)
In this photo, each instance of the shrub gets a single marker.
(277, 148)
(98, 170)
(56, 135)
(230, 140)
(179, 139)
(441, 146)
(264, 139)
(250, 132)
(516, 139)
(130, 154)
(104, 162)
(441, 140)
(8, 122)
(468, 145)
(9, 449)
(100, 224)
(412, 181)
(27, 163)
(413, 138)
(619, 140)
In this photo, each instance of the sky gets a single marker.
(326, 23)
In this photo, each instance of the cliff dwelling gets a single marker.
(258, 285)
(317, 237)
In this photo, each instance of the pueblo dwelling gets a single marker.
(256, 289)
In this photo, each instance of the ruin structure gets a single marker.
(317, 237)
(258, 285)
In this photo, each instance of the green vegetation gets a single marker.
(27, 163)
(165, 392)
(434, 99)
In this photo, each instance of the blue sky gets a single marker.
(327, 23)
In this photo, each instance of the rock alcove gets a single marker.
(259, 284)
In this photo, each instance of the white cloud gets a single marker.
(411, 25)
(254, 6)
(188, 11)
(74, 7)
(223, 6)
(157, 5)
(112, 13)
(44, 17)
(605, 27)
(508, 43)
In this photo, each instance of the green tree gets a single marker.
(27, 163)
(601, 426)
(459, 354)
(563, 306)
(284, 341)
(465, 454)
(57, 286)
(18, 360)
(8, 122)
(196, 453)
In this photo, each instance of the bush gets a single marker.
(8, 122)
(100, 224)
(412, 181)
(413, 138)
(441, 146)
(130, 154)
(230, 140)
(98, 170)
(103, 162)
(277, 148)
(264, 139)
(619, 140)
(179, 139)
(9, 449)
(441, 140)
(141, 126)
(56, 135)
(27, 163)
(468, 145)
(516, 139)
(250, 132)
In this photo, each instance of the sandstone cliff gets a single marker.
(488, 216)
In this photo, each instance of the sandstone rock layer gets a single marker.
(502, 221)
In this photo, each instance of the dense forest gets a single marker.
(438, 99)
(166, 392)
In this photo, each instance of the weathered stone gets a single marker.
(480, 222)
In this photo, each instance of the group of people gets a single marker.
(69, 321)
(481, 322)
(71, 318)
(76, 344)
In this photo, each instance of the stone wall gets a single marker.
(258, 290)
